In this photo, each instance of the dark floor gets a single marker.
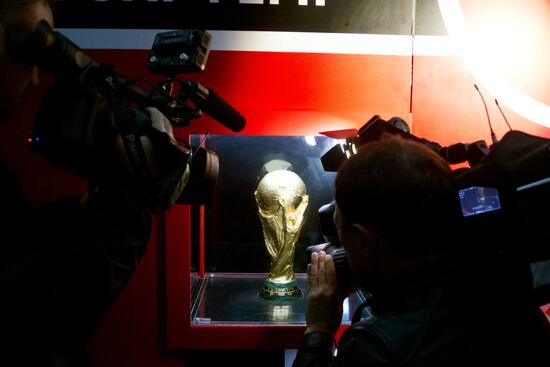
(241, 358)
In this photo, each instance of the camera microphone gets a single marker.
(214, 105)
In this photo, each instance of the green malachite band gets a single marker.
(280, 292)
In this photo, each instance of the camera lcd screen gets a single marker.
(476, 200)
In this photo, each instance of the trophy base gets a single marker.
(280, 292)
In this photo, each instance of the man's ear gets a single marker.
(369, 240)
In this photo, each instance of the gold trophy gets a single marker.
(281, 200)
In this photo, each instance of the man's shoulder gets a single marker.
(365, 342)
(401, 337)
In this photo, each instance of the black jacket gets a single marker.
(62, 265)
(456, 324)
(423, 330)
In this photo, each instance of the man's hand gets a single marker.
(324, 304)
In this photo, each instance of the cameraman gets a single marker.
(62, 265)
(395, 206)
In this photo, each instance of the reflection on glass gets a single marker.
(281, 200)
(280, 313)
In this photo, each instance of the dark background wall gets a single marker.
(281, 93)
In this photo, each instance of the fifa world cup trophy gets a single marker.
(281, 199)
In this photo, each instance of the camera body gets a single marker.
(503, 197)
(346, 280)
(92, 121)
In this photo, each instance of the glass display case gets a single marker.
(232, 299)
(222, 246)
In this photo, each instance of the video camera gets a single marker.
(504, 196)
(93, 120)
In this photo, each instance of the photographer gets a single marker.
(62, 265)
(395, 206)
